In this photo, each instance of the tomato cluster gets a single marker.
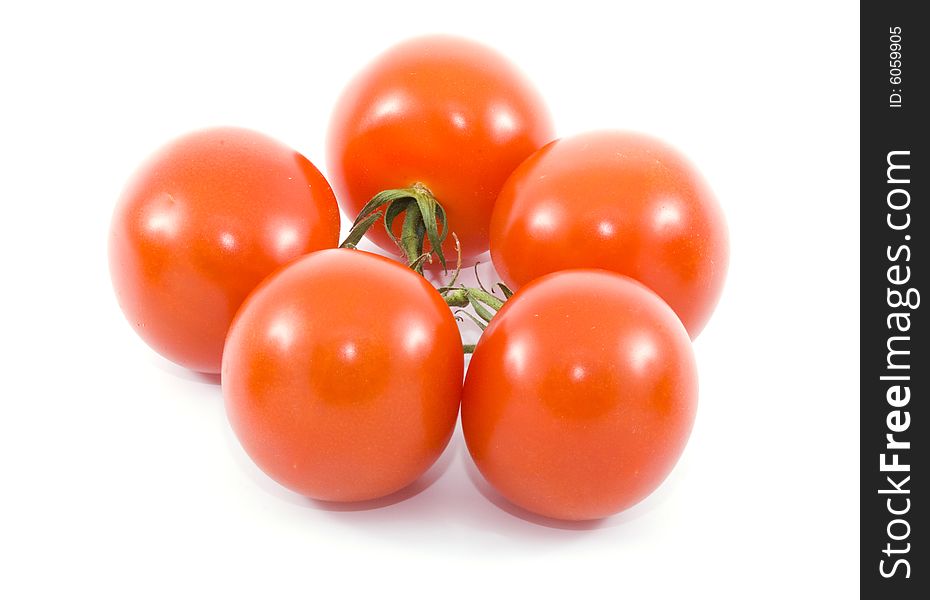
(342, 370)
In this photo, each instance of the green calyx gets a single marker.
(424, 219)
(482, 301)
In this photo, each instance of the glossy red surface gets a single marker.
(201, 224)
(580, 395)
(443, 111)
(342, 375)
(619, 201)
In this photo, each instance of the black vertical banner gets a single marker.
(895, 369)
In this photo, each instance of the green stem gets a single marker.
(425, 219)
(455, 296)
(411, 239)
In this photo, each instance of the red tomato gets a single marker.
(201, 224)
(618, 201)
(342, 375)
(443, 111)
(580, 395)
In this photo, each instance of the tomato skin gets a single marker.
(580, 395)
(338, 392)
(443, 111)
(618, 201)
(201, 224)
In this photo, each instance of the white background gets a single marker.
(121, 476)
